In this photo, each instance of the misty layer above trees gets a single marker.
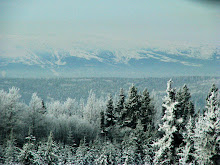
(127, 129)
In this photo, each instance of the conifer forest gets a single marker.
(126, 128)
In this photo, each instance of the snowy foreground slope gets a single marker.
(132, 127)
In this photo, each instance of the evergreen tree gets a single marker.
(207, 132)
(108, 154)
(150, 136)
(36, 116)
(11, 151)
(102, 124)
(49, 151)
(186, 152)
(70, 138)
(170, 141)
(213, 89)
(146, 111)
(191, 109)
(128, 149)
(109, 117)
(28, 154)
(81, 152)
(66, 154)
(139, 139)
(95, 148)
(171, 96)
(131, 111)
(120, 107)
(185, 107)
(109, 113)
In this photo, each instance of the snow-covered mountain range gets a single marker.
(81, 61)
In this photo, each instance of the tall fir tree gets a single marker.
(131, 111)
(187, 150)
(191, 109)
(11, 151)
(102, 124)
(36, 116)
(70, 138)
(207, 131)
(109, 115)
(167, 145)
(146, 110)
(109, 118)
(171, 96)
(214, 89)
(120, 107)
(108, 154)
(129, 156)
(185, 107)
(139, 140)
(49, 151)
(81, 152)
(28, 154)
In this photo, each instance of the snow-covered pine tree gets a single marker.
(172, 95)
(128, 149)
(109, 113)
(119, 114)
(28, 154)
(108, 154)
(146, 111)
(186, 152)
(191, 109)
(49, 151)
(109, 116)
(186, 98)
(131, 110)
(207, 131)
(36, 116)
(11, 151)
(185, 107)
(119, 107)
(139, 139)
(214, 89)
(66, 154)
(81, 152)
(167, 145)
(95, 148)
(70, 138)
(102, 124)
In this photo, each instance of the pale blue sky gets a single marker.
(178, 20)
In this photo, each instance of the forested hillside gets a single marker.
(79, 88)
(130, 128)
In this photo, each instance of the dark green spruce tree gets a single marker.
(131, 111)
(102, 124)
(146, 110)
(185, 107)
(120, 107)
(109, 117)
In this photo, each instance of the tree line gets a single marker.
(122, 130)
